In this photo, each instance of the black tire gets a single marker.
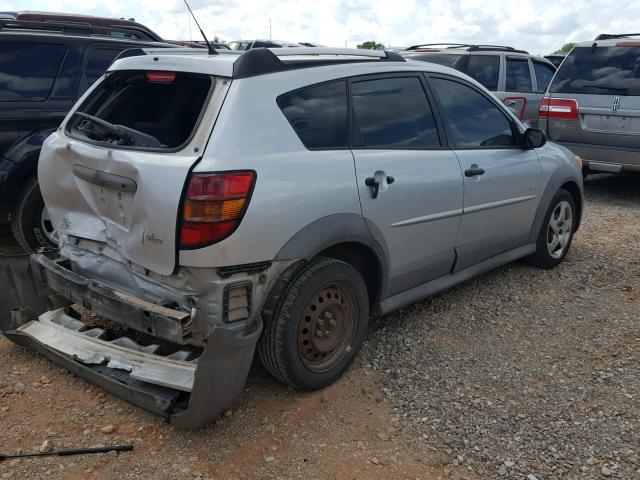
(26, 218)
(543, 258)
(280, 346)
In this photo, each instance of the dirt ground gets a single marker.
(520, 373)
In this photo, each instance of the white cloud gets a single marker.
(539, 26)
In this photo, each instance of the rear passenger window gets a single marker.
(518, 76)
(544, 74)
(393, 112)
(98, 60)
(28, 70)
(484, 69)
(474, 121)
(318, 114)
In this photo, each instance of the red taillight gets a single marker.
(213, 207)
(628, 44)
(566, 109)
(161, 77)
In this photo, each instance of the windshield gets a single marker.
(137, 109)
(600, 70)
(239, 45)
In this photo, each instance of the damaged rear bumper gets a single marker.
(187, 391)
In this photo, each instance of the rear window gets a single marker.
(600, 70)
(518, 75)
(157, 110)
(98, 60)
(28, 70)
(318, 114)
(544, 74)
(484, 69)
(446, 59)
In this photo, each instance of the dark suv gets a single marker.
(45, 66)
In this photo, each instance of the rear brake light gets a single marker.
(558, 108)
(161, 77)
(213, 207)
(628, 44)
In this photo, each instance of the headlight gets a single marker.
(578, 161)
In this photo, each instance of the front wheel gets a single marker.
(556, 232)
(318, 325)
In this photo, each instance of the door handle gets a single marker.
(473, 171)
(375, 182)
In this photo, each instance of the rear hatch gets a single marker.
(594, 97)
(113, 180)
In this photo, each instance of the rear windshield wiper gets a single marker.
(621, 91)
(119, 133)
(125, 135)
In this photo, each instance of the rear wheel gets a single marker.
(318, 325)
(30, 221)
(556, 232)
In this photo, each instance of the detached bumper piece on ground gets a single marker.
(188, 386)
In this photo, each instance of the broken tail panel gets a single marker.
(188, 386)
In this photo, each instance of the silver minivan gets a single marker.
(593, 104)
(517, 78)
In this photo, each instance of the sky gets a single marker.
(540, 26)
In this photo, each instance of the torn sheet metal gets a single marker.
(49, 330)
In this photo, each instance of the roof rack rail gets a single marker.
(260, 61)
(495, 48)
(611, 36)
(446, 45)
(73, 28)
(470, 47)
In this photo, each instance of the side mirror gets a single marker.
(533, 138)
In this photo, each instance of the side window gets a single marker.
(98, 60)
(318, 114)
(518, 75)
(473, 119)
(393, 112)
(544, 74)
(484, 69)
(28, 70)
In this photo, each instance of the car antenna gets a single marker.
(212, 51)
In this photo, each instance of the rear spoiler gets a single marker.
(260, 61)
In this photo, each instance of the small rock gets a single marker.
(592, 461)
(509, 464)
(46, 446)
(606, 471)
(108, 429)
(375, 460)
(269, 459)
(531, 476)
(502, 470)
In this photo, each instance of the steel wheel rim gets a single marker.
(328, 327)
(47, 226)
(559, 229)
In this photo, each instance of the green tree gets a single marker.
(372, 45)
(566, 48)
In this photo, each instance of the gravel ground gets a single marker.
(521, 373)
